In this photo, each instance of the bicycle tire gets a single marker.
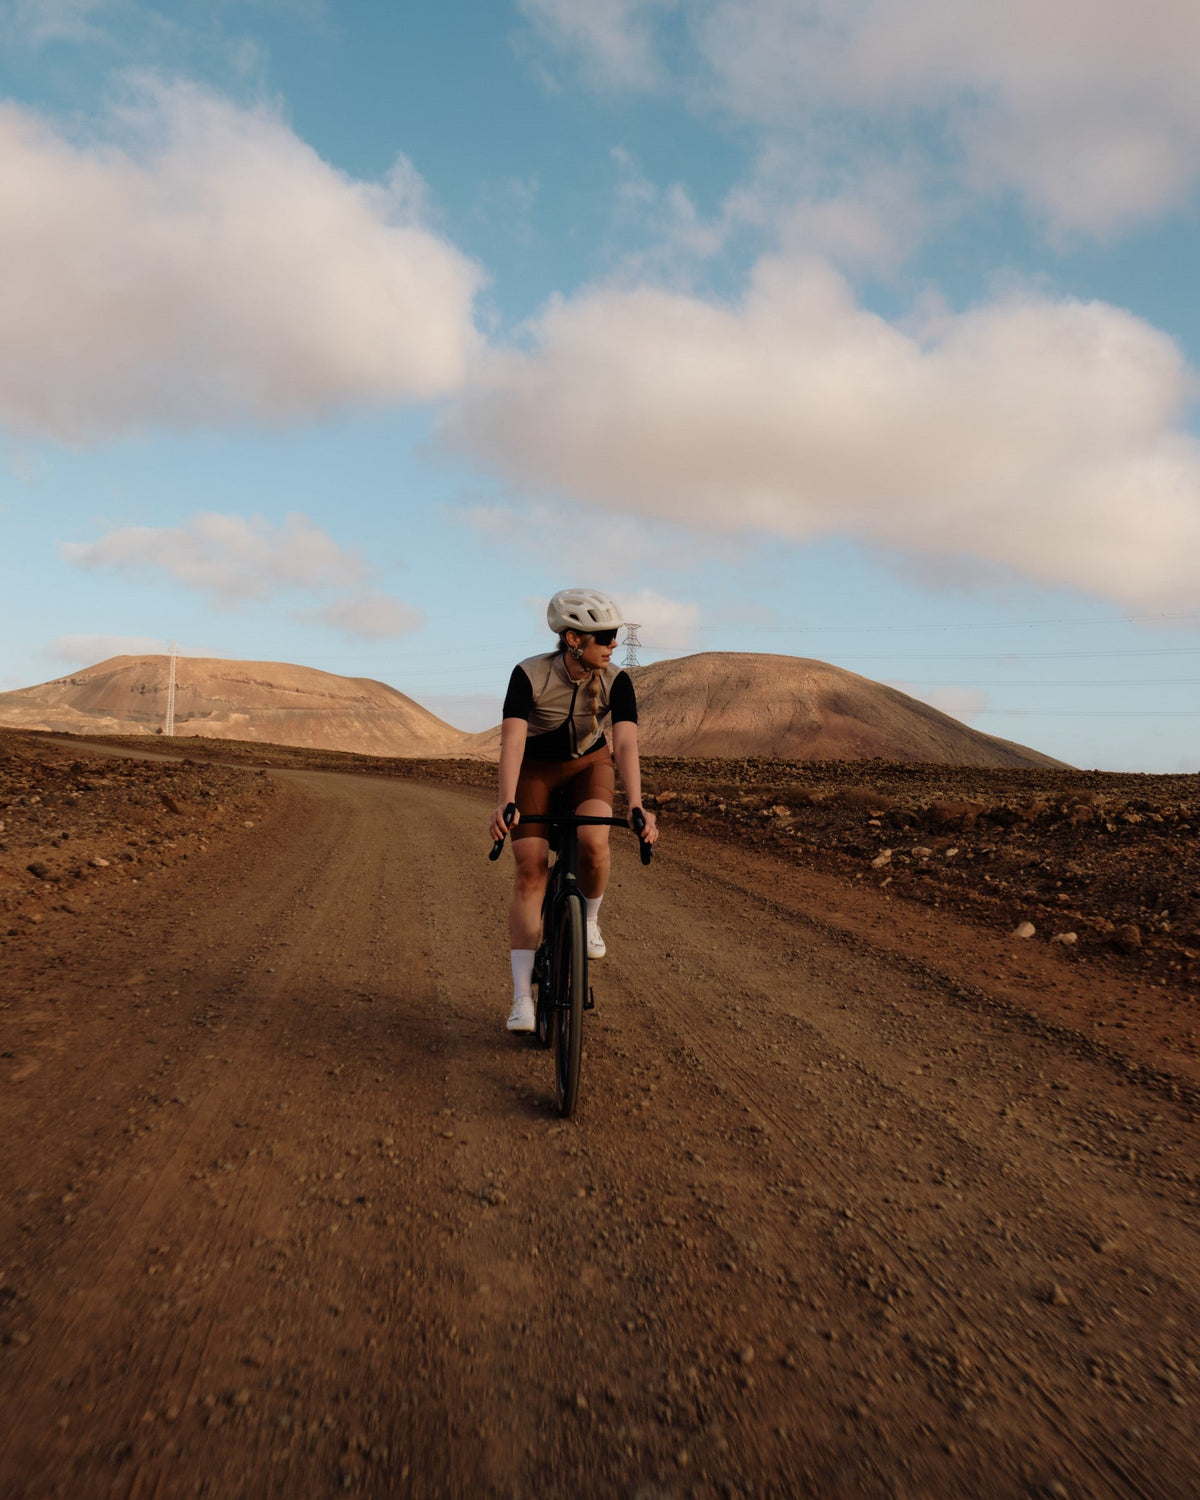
(546, 1013)
(570, 992)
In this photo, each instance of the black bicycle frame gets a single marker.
(555, 1025)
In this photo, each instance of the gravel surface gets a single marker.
(1113, 859)
(75, 821)
(864, 1197)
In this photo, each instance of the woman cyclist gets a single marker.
(552, 736)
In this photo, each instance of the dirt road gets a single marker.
(286, 1212)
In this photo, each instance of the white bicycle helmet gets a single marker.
(585, 610)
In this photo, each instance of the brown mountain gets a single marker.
(750, 703)
(268, 701)
(733, 703)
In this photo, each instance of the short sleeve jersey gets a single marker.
(557, 709)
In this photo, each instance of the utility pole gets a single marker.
(169, 726)
(630, 659)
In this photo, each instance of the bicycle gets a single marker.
(560, 963)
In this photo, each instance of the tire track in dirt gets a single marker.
(968, 1156)
(203, 1191)
(803, 1237)
(669, 1016)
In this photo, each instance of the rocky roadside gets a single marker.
(1104, 866)
(74, 824)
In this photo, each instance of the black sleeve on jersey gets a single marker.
(622, 700)
(518, 701)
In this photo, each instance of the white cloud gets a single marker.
(614, 545)
(621, 548)
(613, 37)
(1043, 436)
(34, 23)
(875, 222)
(666, 624)
(83, 650)
(370, 616)
(234, 559)
(962, 703)
(666, 216)
(1090, 107)
(211, 267)
(227, 556)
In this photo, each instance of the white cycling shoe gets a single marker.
(595, 943)
(523, 1016)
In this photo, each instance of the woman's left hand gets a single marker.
(650, 834)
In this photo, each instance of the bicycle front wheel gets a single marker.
(570, 991)
(546, 1012)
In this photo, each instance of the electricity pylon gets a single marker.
(169, 726)
(630, 659)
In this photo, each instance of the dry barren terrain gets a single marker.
(865, 1195)
(715, 702)
(267, 702)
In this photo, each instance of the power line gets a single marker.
(1005, 655)
(1090, 713)
(1022, 655)
(1069, 682)
(1188, 614)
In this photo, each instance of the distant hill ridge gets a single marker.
(756, 703)
(273, 702)
(744, 703)
(717, 703)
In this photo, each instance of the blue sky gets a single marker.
(344, 334)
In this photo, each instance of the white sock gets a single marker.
(522, 971)
(593, 907)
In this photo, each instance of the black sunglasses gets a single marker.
(604, 637)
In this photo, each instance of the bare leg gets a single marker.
(594, 858)
(531, 857)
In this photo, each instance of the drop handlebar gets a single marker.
(636, 820)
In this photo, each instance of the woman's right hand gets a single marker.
(498, 828)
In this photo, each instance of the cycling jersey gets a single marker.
(558, 713)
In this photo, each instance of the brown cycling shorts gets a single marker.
(590, 777)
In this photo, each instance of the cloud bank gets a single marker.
(230, 557)
(1089, 108)
(205, 265)
(612, 36)
(371, 616)
(1045, 436)
(666, 624)
(1092, 110)
(235, 560)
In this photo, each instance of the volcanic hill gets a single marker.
(271, 702)
(736, 704)
(727, 703)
